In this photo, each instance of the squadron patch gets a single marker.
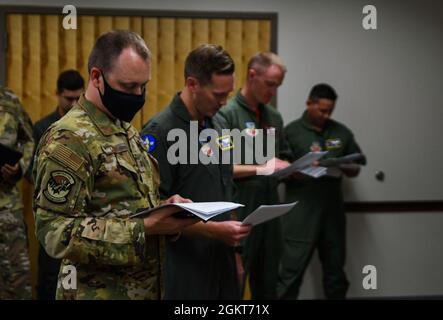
(59, 186)
(333, 144)
(150, 142)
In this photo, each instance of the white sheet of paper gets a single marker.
(267, 212)
(300, 164)
(315, 172)
(209, 208)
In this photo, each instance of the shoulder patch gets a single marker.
(150, 142)
(59, 186)
(67, 157)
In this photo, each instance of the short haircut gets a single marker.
(322, 91)
(264, 60)
(70, 80)
(206, 60)
(110, 45)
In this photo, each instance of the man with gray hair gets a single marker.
(91, 173)
(250, 112)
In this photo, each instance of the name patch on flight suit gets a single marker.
(225, 143)
(333, 144)
(59, 186)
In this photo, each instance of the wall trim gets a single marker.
(395, 206)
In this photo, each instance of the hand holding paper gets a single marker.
(304, 165)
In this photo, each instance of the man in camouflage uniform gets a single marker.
(92, 171)
(16, 133)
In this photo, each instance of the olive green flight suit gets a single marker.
(262, 248)
(318, 221)
(196, 267)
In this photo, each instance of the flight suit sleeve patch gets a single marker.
(64, 155)
(59, 186)
(150, 142)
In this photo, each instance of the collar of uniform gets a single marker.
(105, 124)
(179, 109)
(307, 124)
(242, 102)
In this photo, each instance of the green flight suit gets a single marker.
(48, 267)
(262, 248)
(196, 267)
(90, 174)
(318, 221)
(16, 133)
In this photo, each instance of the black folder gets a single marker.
(9, 155)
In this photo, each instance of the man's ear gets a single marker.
(192, 83)
(251, 74)
(95, 76)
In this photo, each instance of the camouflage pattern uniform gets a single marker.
(15, 132)
(90, 174)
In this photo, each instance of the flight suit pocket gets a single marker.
(101, 230)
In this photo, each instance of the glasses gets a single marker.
(71, 99)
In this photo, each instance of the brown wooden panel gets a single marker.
(217, 32)
(264, 35)
(200, 32)
(150, 35)
(86, 39)
(50, 63)
(250, 40)
(166, 86)
(121, 23)
(103, 24)
(14, 78)
(234, 45)
(183, 45)
(135, 24)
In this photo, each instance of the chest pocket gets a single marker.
(119, 171)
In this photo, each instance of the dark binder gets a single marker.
(9, 155)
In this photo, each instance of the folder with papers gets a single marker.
(202, 210)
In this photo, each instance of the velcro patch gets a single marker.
(67, 157)
(59, 186)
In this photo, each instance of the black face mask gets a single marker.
(120, 104)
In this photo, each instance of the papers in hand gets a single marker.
(350, 158)
(203, 210)
(304, 165)
(266, 212)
